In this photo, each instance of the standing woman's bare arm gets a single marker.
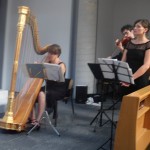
(144, 67)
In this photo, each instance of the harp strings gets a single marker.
(27, 55)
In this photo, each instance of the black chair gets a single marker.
(68, 96)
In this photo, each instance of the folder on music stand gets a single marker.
(45, 71)
(114, 69)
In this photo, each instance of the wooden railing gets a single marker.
(133, 127)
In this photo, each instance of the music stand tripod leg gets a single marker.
(101, 110)
(50, 123)
(111, 132)
(32, 129)
(95, 117)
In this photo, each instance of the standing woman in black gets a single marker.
(137, 55)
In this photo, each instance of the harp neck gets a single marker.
(34, 28)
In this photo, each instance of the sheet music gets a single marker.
(124, 72)
(53, 71)
(45, 71)
(107, 68)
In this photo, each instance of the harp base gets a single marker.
(11, 126)
(8, 117)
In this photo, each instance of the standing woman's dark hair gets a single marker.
(145, 23)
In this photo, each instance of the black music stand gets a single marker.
(117, 71)
(96, 70)
(45, 71)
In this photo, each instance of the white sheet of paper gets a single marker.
(45, 71)
(54, 72)
(106, 67)
(124, 72)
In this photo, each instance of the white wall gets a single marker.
(85, 42)
(3, 5)
(104, 28)
(128, 11)
(54, 23)
(112, 15)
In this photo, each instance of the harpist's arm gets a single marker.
(63, 68)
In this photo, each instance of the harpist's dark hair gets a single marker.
(54, 49)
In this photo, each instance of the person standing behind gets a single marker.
(127, 34)
(137, 55)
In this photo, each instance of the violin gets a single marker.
(124, 41)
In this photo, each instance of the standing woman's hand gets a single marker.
(125, 84)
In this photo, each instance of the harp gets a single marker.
(19, 107)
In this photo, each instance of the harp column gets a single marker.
(23, 12)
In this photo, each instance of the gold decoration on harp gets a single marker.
(17, 121)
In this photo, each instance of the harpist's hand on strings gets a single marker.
(125, 84)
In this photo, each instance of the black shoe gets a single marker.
(35, 125)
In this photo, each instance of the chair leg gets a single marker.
(72, 105)
(55, 113)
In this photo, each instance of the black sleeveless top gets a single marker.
(135, 59)
(55, 90)
(55, 84)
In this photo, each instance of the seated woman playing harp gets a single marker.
(54, 90)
